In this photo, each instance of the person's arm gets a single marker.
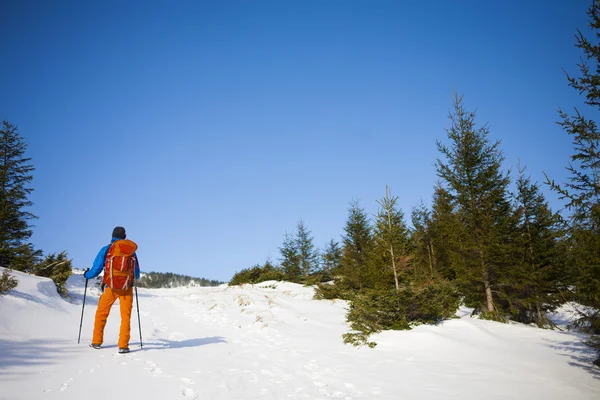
(98, 265)
(137, 267)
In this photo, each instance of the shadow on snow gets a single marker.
(581, 355)
(164, 344)
(28, 353)
(36, 299)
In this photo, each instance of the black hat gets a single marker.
(119, 233)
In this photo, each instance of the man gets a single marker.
(119, 262)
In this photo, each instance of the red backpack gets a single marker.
(119, 267)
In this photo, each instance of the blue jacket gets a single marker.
(101, 260)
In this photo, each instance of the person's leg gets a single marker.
(126, 305)
(104, 304)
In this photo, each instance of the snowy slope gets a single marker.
(271, 341)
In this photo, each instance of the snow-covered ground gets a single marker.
(271, 341)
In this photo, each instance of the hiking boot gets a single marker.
(95, 345)
(123, 350)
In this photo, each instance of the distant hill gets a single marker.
(156, 280)
(171, 280)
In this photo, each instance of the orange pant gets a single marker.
(104, 304)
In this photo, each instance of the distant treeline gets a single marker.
(171, 280)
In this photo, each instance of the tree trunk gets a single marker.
(394, 267)
(488, 291)
(429, 251)
(540, 317)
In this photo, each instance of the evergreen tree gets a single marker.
(536, 277)
(331, 257)
(472, 175)
(422, 240)
(308, 255)
(355, 264)
(446, 232)
(15, 177)
(436, 237)
(290, 259)
(391, 241)
(582, 192)
(366, 277)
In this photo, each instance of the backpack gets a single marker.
(119, 265)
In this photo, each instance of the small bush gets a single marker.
(358, 339)
(328, 291)
(257, 274)
(7, 281)
(57, 267)
(372, 311)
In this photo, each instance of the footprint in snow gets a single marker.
(253, 378)
(187, 392)
(66, 385)
(153, 367)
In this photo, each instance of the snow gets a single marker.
(271, 341)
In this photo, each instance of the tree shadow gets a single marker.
(581, 355)
(37, 299)
(76, 290)
(27, 353)
(164, 344)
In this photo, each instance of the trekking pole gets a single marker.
(137, 302)
(82, 308)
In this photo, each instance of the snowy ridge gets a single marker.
(271, 341)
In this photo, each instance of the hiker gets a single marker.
(121, 268)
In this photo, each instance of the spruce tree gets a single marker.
(472, 175)
(447, 233)
(582, 192)
(537, 277)
(330, 258)
(422, 240)
(290, 259)
(356, 263)
(308, 255)
(391, 241)
(15, 176)
(436, 237)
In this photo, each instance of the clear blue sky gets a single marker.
(209, 129)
